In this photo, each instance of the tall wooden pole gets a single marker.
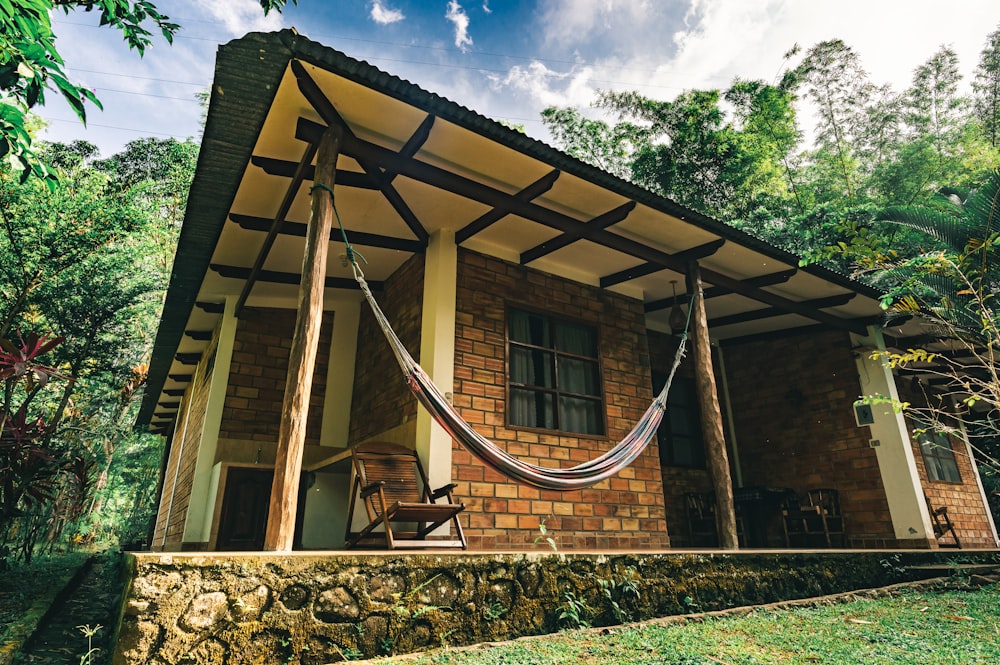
(302, 356)
(711, 413)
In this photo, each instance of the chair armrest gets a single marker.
(444, 490)
(371, 488)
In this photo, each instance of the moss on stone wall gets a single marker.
(281, 608)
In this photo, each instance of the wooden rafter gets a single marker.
(278, 277)
(286, 204)
(311, 91)
(609, 218)
(532, 191)
(768, 312)
(717, 291)
(211, 307)
(643, 269)
(455, 183)
(180, 378)
(252, 223)
(187, 358)
(199, 335)
(281, 167)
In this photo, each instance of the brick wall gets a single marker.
(381, 398)
(963, 500)
(625, 511)
(792, 399)
(173, 507)
(257, 374)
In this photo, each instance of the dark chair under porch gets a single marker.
(814, 520)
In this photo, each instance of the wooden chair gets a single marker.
(701, 519)
(942, 524)
(391, 482)
(814, 519)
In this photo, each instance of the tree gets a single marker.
(837, 84)
(30, 64)
(89, 261)
(986, 89)
(951, 287)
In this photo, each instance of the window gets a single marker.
(939, 458)
(553, 374)
(679, 435)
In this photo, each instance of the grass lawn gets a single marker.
(922, 627)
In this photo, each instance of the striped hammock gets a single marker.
(582, 475)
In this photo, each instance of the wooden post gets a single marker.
(711, 413)
(302, 356)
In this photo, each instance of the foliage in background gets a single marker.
(89, 261)
(738, 154)
(30, 65)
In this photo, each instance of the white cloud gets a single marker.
(460, 19)
(384, 15)
(546, 87)
(486, 7)
(243, 16)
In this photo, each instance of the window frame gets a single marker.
(600, 398)
(665, 437)
(940, 448)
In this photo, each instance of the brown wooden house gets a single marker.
(494, 255)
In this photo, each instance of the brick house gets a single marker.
(481, 242)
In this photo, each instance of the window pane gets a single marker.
(529, 408)
(576, 339)
(939, 458)
(578, 376)
(531, 367)
(529, 328)
(580, 415)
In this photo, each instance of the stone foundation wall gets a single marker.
(310, 609)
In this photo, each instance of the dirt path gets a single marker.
(92, 601)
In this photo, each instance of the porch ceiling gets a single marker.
(413, 164)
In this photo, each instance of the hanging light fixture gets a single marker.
(676, 319)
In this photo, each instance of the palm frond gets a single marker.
(943, 227)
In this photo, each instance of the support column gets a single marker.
(896, 463)
(711, 413)
(302, 356)
(198, 523)
(437, 348)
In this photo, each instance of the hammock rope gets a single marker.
(489, 453)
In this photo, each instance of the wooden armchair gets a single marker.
(814, 519)
(392, 484)
(942, 524)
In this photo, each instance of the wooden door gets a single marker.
(244, 509)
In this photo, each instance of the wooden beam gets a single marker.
(298, 229)
(610, 218)
(169, 405)
(768, 312)
(286, 204)
(286, 169)
(314, 95)
(180, 378)
(277, 277)
(211, 307)
(711, 413)
(174, 392)
(441, 178)
(532, 191)
(280, 531)
(187, 358)
(716, 291)
(643, 269)
(199, 335)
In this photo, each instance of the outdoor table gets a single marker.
(761, 509)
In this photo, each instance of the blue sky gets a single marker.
(507, 59)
